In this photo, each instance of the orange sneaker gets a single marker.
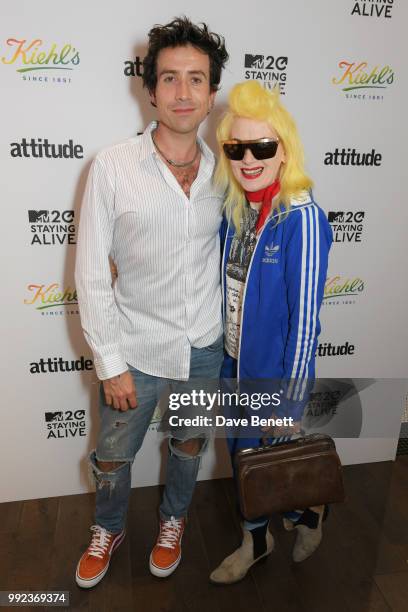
(94, 563)
(166, 555)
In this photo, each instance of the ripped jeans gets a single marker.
(121, 435)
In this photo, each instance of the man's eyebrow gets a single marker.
(198, 72)
(168, 71)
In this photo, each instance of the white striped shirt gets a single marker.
(167, 296)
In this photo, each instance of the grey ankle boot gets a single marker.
(309, 532)
(256, 544)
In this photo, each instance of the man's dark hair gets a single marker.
(179, 33)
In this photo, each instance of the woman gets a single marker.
(276, 245)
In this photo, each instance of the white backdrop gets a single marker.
(63, 78)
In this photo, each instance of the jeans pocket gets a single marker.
(217, 345)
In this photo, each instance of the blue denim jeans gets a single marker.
(121, 435)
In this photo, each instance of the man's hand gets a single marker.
(120, 391)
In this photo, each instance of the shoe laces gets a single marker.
(170, 532)
(100, 541)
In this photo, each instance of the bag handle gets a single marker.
(301, 440)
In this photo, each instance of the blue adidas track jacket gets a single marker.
(282, 297)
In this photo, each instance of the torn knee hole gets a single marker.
(189, 447)
(109, 466)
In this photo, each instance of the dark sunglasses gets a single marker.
(262, 148)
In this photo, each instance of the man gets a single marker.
(149, 204)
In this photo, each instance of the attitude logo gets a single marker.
(134, 68)
(350, 157)
(52, 299)
(373, 8)
(271, 71)
(40, 148)
(347, 226)
(342, 291)
(40, 62)
(358, 80)
(52, 227)
(51, 365)
(65, 424)
(327, 349)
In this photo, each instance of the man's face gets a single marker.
(182, 95)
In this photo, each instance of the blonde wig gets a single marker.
(250, 100)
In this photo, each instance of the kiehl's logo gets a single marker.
(359, 75)
(50, 296)
(28, 55)
(342, 291)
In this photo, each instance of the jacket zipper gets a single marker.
(222, 275)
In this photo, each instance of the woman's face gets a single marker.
(251, 173)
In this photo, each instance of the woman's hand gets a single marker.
(278, 431)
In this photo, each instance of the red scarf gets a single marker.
(265, 196)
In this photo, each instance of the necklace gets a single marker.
(174, 163)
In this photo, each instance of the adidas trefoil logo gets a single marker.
(271, 250)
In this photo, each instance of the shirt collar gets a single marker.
(148, 149)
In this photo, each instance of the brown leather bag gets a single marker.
(294, 475)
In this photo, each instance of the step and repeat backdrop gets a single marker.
(71, 85)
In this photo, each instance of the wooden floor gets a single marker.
(361, 565)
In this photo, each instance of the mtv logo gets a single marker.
(254, 61)
(38, 216)
(53, 416)
(334, 217)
